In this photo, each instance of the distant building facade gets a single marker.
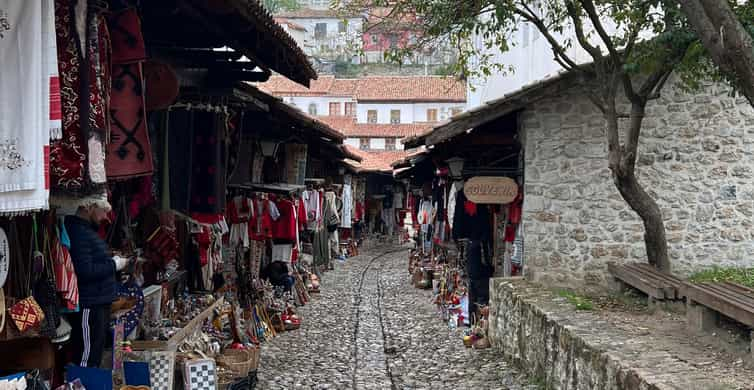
(376, 112)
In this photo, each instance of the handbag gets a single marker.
(44, 292)
(26, 314)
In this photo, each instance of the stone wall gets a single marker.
(696, 159)
(564, 349)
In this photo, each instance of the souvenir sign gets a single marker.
(491, 190)
(4, 257)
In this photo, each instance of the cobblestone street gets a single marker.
(370, 329)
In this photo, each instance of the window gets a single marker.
(389, 143)
(372, 116)
(455, 111)
(375, 39)
(432, 115)
(395, 116)
(334, 108)
(341, 26)
(350, 109)
(320, 31)
(313, 109)
(364, 143)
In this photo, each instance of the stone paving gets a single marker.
(370, 329)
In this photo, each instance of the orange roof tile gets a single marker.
(308, 13)
(375, 88)
(281, 86)
(411, 88)
(290, 24)
(344, 87)
(376, 161)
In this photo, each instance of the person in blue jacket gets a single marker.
(95, 270)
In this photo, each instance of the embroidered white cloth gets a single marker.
(28, 87)
(346, 214)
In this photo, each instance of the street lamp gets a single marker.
(455, 165)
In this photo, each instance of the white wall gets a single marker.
(443, 110)
(322, 102)
(383, 112)
(298, 36)
(410, 112)
(352, 142)
(377, 143)
(531, 59)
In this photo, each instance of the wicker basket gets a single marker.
(240, 361)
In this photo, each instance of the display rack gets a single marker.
(173, 342)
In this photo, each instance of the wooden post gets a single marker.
(699, 317)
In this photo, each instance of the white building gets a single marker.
(328, 34)
(376, 112)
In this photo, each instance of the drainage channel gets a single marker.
(371, 366)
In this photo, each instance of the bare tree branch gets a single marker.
(595, 19)
(595, 52)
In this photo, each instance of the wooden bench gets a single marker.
(658, 285)
(706, 301)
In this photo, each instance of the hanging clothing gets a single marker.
(265, 213)
(29, 104)
(452, 198)
(312, 203)
(282, 252)
(284, 228)
(471, 220)
(347, 213)
(240, 212)
(77, 160)
(398, 199)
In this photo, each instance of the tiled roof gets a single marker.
(349, 127)
(411, 88)
(308, 13)
(375, 88)
(343, 87)
(281, 86)
(372, 161)
(294, 26)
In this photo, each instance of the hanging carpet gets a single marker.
(129, 153)
(208, 168)
(127, 40)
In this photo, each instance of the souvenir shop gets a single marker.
(379, 200)
(154, 233)
(465, 204)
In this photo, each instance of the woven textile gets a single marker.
(129, 153)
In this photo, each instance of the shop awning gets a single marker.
(196, 27)
(493, 109)
(287, 114)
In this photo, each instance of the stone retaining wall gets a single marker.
(562, 348)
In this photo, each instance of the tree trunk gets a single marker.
(726, 40)
(622, 163)
(648, 210)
